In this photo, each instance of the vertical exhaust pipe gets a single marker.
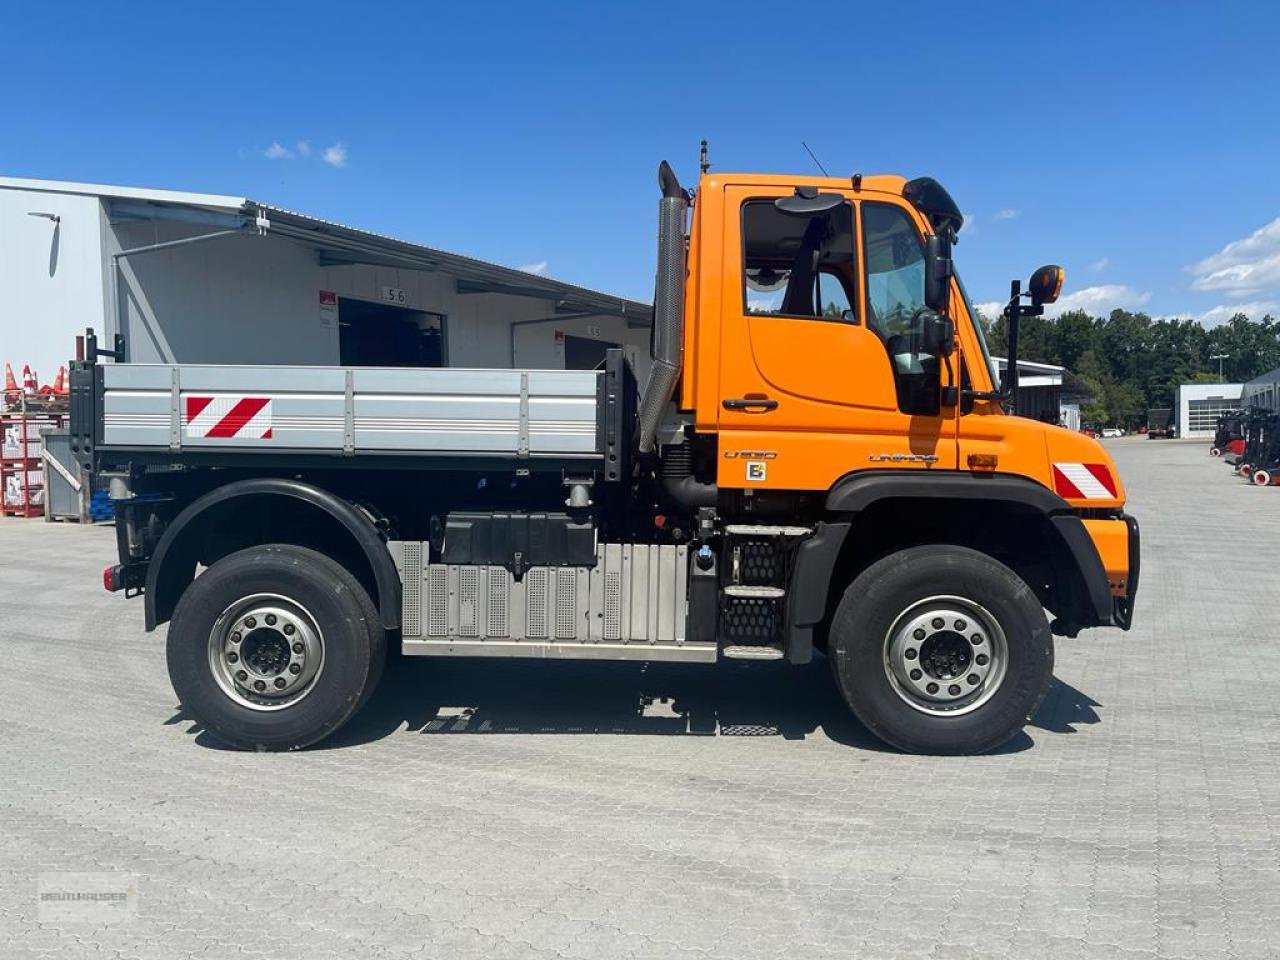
(668, 306)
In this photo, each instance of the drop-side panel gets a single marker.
(518, 413)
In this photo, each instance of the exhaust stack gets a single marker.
(668, 306)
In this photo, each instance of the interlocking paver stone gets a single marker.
(543, 810)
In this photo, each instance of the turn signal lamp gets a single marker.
(983, 461)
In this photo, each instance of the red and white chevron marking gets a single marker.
(1083, 481)
(245, 418)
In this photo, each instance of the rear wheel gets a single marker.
(941, 649)
(1262, 478)
(274, 647)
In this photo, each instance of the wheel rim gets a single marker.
(945, 656)
(266, 652)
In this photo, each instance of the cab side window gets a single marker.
(798, 266)
(895, 304)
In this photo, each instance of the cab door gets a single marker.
(818, 375)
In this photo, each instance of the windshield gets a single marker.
(982, 336)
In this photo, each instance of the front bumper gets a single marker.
(1122, 605)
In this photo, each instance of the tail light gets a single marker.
(112, 578)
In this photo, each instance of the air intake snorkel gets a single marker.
(668, 306)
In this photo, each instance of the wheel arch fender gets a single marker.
(856, 494)
(171, 567)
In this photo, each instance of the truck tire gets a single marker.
(274, 648)
(941, 649)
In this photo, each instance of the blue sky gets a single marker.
(1136, 144)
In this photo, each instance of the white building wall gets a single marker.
(51, 277)
(236, 299)
(1220, 395)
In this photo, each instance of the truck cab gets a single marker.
(821, 463)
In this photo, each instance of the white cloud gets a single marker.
(1254, 310)
(277, 151)
(1006, 214)
(335, 155)
(538, 268)
(991, 309)
(970, 225)
(1099, 301)
(1242, 267)
(1099, 265)
(303, 147)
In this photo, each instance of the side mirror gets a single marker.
(937, 335)
(937, 273)
(1045, 284)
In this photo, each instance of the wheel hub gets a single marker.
(945, 655)
(266, 652)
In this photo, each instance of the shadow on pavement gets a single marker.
(440, 697)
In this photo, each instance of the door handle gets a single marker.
(763, 404)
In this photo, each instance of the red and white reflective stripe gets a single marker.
(1083, 481)
(247, 418)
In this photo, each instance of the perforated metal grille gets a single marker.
(468, 601)
(497, 603)
(535, 583)
(613, 605)
(411, 596)
(747, 620)
(437, 602)
(566, 603)
(759, 563)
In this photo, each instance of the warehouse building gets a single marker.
(1039, 389)
(1263, 391)
(1198, 406)
(202, 278)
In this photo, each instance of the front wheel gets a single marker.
(274, 647)
(941, 649)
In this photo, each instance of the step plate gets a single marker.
(753, 652)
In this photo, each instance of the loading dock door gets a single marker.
(383, 335)
(583, 353)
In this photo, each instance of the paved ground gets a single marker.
(548, 810)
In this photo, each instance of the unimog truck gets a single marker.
(821, 463)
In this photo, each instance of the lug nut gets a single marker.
(980, 659)
(976, 639)
(911, 653)
(932, 688)
(235, 637)
(938, 623)
(280, 682)
(973, 679)
(288, 629)
(916, 674)
(297, 648)
(960, 624)
(918, 634)
(241, 676)
(233, 657)
(954, 689)
(271, 619)
(251, 623)
(294, 668)
(259, 685)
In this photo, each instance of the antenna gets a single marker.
(703, 163)
(814, 159)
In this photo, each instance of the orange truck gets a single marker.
(821, 462)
